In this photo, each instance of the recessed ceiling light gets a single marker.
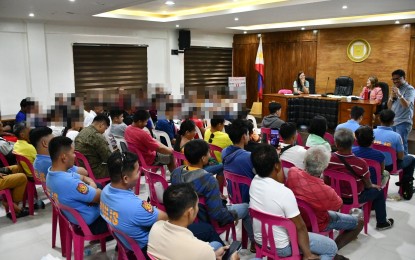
(397, 22)
(71, 0)
(31, 14)
(169, 3)
(302, 28)
(344, 6)
(244, 32)
(236, 19)
(315, 31)
(177, 26)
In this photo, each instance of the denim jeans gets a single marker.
(243, 213)
(215, 245)
(214, 169)
(320, 245)
(403, 130)
(205, 232)
(340, 221)
(408, 166)
(378, 202)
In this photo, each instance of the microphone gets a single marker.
(327, 84)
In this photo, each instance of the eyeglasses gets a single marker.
(211, 137)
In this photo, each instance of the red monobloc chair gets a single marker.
(80, 157)
(123, 250)
(152, 179)
(376, 166)
(214, 150)
(6, 193)
(179, 157)
(306, 209)
(268, 246)
(329, 138)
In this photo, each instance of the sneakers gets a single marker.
(23, 213)
(383, 226)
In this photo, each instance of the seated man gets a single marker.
(69, 190)
(24, 109)
(167, 125)
(268, 194)
(154, 152)
(273, 119)
(254, 138)
(118, 126)
(215, 136)
(197, 154)
(40, 138)
(308, 186)
(364, 136)
(97, 109)
(16, 182)
(346, 162)
(91, 143)
(235, 158)
(356, 116)
(6, 147)
(23, 147)
(385, 135)
(291, 152)
(171, 239)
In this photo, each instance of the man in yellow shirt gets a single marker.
(215, 136)
(23, 147)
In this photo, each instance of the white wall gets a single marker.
(36, 59)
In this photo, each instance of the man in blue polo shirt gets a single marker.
(235, 158)
(356, 116)
(67, 189)
(385, 135)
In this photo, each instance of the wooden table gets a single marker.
(341, 107)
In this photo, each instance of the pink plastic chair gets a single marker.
(3, 160)
(299, 140)
(329, 138)
(79, 233)
(152, 178)
(286, 166)
(268, 247)
(219, 229)
(336, 178)
(285, 91)
(179, 157)
(150, 256)
(213, 149)
(306, 209)
(235, 180)
(80, 157)
(8, 196)
(267, 131)
(31, 192)
(122, 249)
(376, 165)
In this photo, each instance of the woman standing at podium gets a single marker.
(301, 86)
(373, 89)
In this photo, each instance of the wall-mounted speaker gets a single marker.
(184, 39)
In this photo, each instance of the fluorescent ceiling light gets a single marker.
(344, 6)
(169, 3)
(177, 26)
(236, 19)
(302, 28)
(397, 22)
(31, 14)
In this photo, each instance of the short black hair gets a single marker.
(237, 129)
(318, 126)
(23, 103)
(141, 115)
(216, 121)
(364, 136)
(264, 157)
(57, 145)
(120, 163)
(177, 198)
(195, 149)
(18, 128)
(187, 126)
(288, 130)
(38, 133)
(356, 112)
(399, 72)
(102, 118)
(274, 107)
(386, 116)
(116, 113)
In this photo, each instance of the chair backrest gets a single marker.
(344, 86)
(286, 166)
(385, 90)
(135, 150)
(307, 209)
(158, 134)
(285, 91)
(336, 181)
(75, 214)
(299, 140)
(123, 146)
(267, 131)
(199, 133)
(329, 138)
(123, 249)
(391, 152)
(3, 160)
(213, 149)
(376, 166)
(156, 197)
(79, 157)
(312, 85)
(252, 118)
(234, 180)
(179, 157)
(23, 161)
(268, 221)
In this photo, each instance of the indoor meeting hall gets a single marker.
(207, 130)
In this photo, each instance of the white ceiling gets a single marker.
(81, 12)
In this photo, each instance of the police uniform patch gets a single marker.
(82, 188)
(147, 206)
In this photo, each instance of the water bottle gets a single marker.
(91, 250)
(356, 212)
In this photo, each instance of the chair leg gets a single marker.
(63, 230)
(68, 242)
(400, 180)
(244, 238)
(103, 242)
(31, 189)
(10, 204)
(366, 214)
(78, 247)
(54, 225)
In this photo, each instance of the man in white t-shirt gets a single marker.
(290, 152)
(268, 194)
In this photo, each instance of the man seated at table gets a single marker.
(356, 117)
(291, 152)
(308, 186)
(273, 119)
(153, 152)
(346, 162)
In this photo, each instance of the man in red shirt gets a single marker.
(359, 170)
(154, 152)
(308, 186)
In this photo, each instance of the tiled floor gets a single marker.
(30, 237)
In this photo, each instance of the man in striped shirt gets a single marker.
(359, 170)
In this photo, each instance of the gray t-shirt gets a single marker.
(118, 129)
(403, 114)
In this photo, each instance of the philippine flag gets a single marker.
(259, 66)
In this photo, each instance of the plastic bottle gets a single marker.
(366, 94)
(356, 212)
(92, 250)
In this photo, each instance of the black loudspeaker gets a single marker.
(184, 39)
